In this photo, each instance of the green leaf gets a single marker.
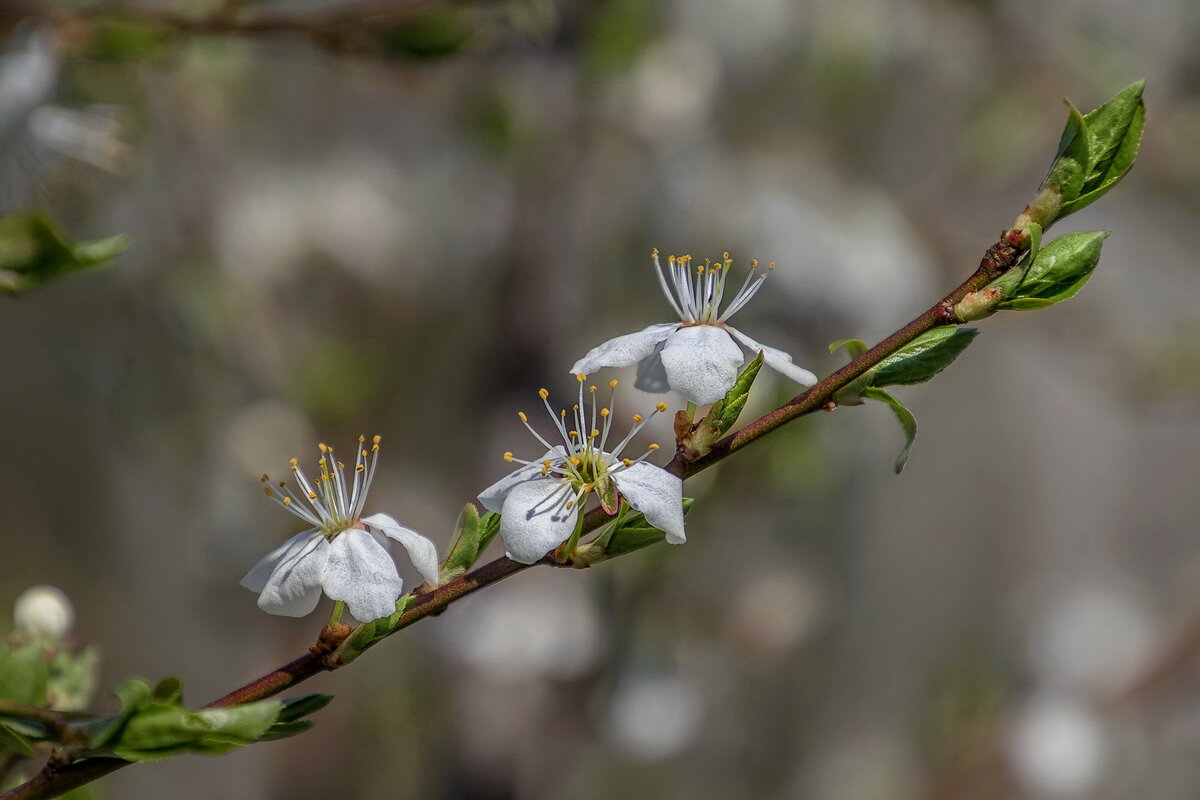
(725, 412)
(23, 675)
(33, 251)
(13, 742)
(489, 526)
(1073, 160)
(856, 347)
(1059, 271)
(907, 421)
(634, 533)
(160, 730)
(924, 357)
(295, 708)
(464, 547)
(1114, 135)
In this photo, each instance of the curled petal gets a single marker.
(535, 520)
(657, 494)
(360, 572)
(702, 363)
(421, 551)
(777, 360)
(293, 575)
(624, 350)
(492, 497)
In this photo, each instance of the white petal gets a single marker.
(656, 493)
(360, 571)
(421, 550)
(702, 363)
(777, 360)
(534, 521)
(293, 586)
(492, 497)
(624, 350)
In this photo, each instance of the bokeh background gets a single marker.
(405, 218)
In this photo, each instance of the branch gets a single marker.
(57, 778)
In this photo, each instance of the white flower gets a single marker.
(699, 356)
(541, 502)
(44, 612)
(342, 554)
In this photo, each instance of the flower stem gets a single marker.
(336, 615)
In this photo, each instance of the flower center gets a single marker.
(696, 291)
(329, 502)
(582, 461)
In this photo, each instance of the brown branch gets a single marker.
(55, 778)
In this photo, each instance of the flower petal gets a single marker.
(534, 520)
(656, 493)
(624, 350)
(293, 585)
(360, 572)
(492, 497)
(777, 360)
(421, 550)
(702, 363)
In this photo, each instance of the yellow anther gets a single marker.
(282, 484)
(364, 452)
(294, 462)
(312, 495)
(652, 447)
(360, 468)
(287, 501)
(268, 491)
(762, 275)
(612, 384)
(604, 412)
(661, 407)
(575, 407)
(521, 416)
(671, 259)
(581, 377)
(570, 504)
(637, 417)
(361, 438)
(575, 460)
(725, 255)
(753, 263)
(323, 447)
(771, 265)
(543, 393)
(627, 462)
(654, 252)
(508, 456)
(699, 269)
(374, 448)
(265, 477)
(341, 465)
(591, 388)
(595, 433)
(547, 463)
(376, 439)
(573, 434)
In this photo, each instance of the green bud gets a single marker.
(977, 305)
(723, 414)
(1095, 152)
(1057, 272)
(464, 547)
(23, 674)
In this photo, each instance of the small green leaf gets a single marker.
(1059, 271)
(856, 347)
(13, 742)
(634, 533)
(33, 251)
(464, 547)
(907, 421)
(286, 730)
(725, 412)
(1072, 162)
(489, 526)
(924, 357)
(1109, 128)
(296, 708)
(23, 675)
(160, 730)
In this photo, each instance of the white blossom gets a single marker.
(700, 356)
(343, 554)
(44, 612)
(541, 502)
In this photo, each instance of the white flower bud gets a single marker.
(44, 612)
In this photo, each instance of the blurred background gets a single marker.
(404, 218)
